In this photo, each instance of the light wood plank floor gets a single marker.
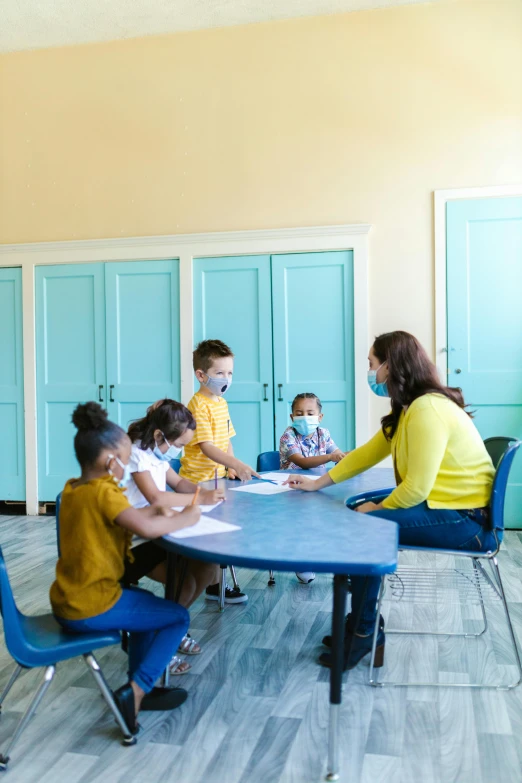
(258, 703)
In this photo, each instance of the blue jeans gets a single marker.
(156, 627)
(440, 528)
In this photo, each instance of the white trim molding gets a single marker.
(186, 247)
(441, 198)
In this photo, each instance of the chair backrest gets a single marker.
(498, 493)
(496, 448)
(57, 512)
(175, 464)
(14, 637)
(268, 460)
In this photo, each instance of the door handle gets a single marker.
(265, 392)
(111, 388)
(100, 389)
(457, 371)
(280, 388)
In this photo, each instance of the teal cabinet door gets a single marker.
(70, 363)
(12, 453)
(232, 302)
(142, 326)
(484, 310)
(313, 338)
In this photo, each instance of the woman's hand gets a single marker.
(364, 508)
(337, 455)
(300, 482)
(209, 497)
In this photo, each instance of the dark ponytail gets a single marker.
(169, 416)
(95, 433)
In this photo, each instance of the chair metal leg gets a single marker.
(40, 693)
(483, 608)
(14, 676)
(494, 563)
(222, 586)
(234, 578)
(371, 681)
(271, 579)
(106, 692)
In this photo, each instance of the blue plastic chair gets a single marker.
(175, 464)
(268, 460)
(502, 451)
(40, 641)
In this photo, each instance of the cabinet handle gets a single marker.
(265, 392)
(111, 398)
(280, 388)
(100, 389)
(458, 371)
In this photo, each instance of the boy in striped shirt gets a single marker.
(211, 447)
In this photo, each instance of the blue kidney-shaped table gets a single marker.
(303, 531)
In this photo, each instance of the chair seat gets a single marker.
(45, 642)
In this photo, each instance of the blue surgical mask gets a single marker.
(218, 386)
(380, 389)
(172, 452)
(305, 425)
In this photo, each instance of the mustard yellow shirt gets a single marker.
(438, 456)
(93, 549)
(213, 424)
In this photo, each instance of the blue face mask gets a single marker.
(305, 425)
(218, 386)
(125, 479)
(172, 452)
(380, 389)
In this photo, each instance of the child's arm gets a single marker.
(185, 491)
(312, 462)
(156, 521)
(155, 496)
(243, 471)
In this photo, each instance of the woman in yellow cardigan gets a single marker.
(443, 472)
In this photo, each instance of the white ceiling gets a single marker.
(35, 24)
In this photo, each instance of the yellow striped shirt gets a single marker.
(212, 425)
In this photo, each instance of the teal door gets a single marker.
(484, 312)
(313, 338)
(70, 363)
(232, 302)
(12, 453)
(142, 327)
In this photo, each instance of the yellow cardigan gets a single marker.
(438, 456)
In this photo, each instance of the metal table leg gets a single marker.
(170, 590)
(222, 587)
(336, 674)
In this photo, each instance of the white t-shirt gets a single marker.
(140, 461)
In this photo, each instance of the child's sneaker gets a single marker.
(305, 577)
(232, 594)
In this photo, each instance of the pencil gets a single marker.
(195, 498)
(215, 478)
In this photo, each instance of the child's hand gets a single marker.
(209, 497)
(300, 482)
(244, 472)
(337, 455)
(231, 473)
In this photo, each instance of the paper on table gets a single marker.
(204, 509)
(279, 478)
(205, 527)
(262, 489)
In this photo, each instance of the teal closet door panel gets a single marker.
(313, 338)
(12, 453)
(232, 302)
(70, 363)
(142, 323)
(484, 294)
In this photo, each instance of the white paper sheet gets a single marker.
(279, 478)
(204, 509)
(205, 527)
(262, 489)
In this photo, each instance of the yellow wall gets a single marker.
(351, 118)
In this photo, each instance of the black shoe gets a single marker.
(360, 646)
(232, 595)
(163, 699)
(327, 640)
(124, 698)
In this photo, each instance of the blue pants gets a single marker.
(440, 528)
(156, 627)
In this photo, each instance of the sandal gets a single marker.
(176, 664)
(189, 646)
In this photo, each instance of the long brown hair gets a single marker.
(168, 416)
(411, 374)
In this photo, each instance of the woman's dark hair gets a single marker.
(307, 396)
(95, 433)
(171, 417)
(411, 374)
